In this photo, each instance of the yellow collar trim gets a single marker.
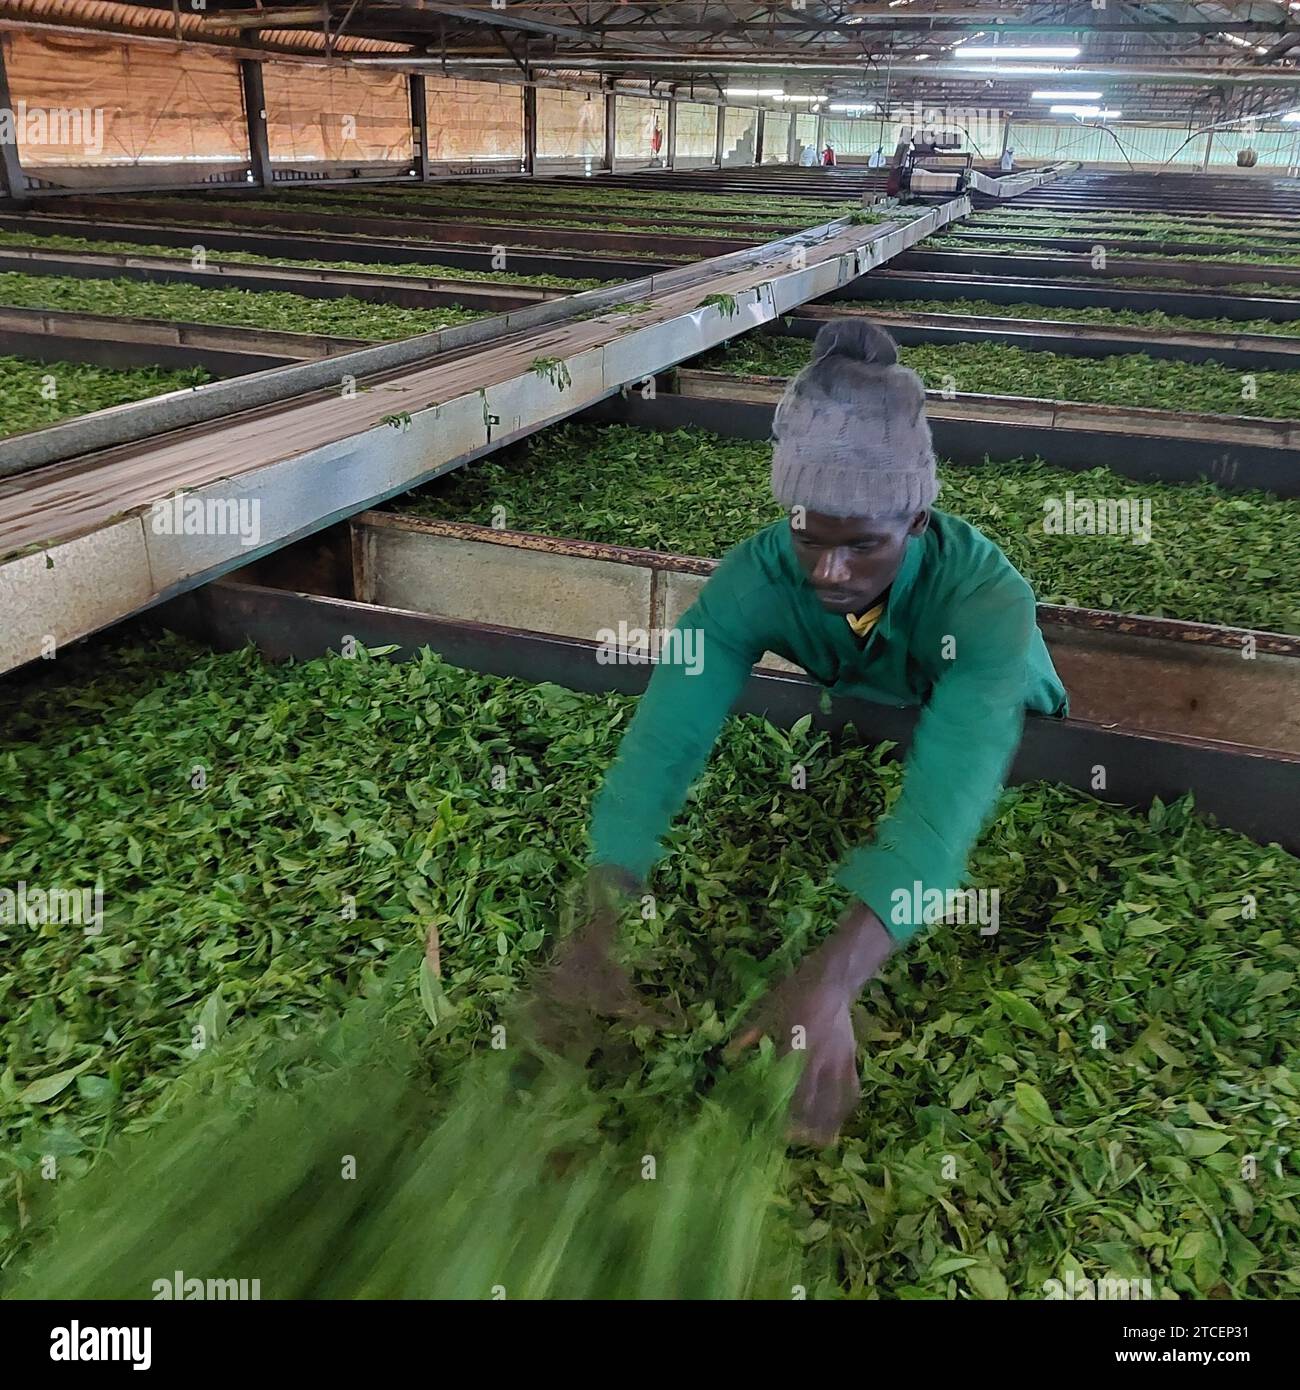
(863, 624)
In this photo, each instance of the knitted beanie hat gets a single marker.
(851, 437)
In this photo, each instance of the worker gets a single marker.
(877, 160)
(828, 157)
(656, 142)
(808, 157)
(1008, 160)
(877, 594)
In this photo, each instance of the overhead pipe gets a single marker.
(1211, 77)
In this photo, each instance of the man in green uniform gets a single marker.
(875, 594)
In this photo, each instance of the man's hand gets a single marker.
(811, 1012)
(584, 979)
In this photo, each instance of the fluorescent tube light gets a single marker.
(1003, 50)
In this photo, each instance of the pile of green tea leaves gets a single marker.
(270, 309)
(1100, 1088)
(559, 197)
(1155, 319)
(379, 207)
(576, 213)
(1214, 556)
(1255, 289)
(422, 269)
(1130, 225)
(997, 369)
(526, 1179)
(33, 394)
(1260, 256)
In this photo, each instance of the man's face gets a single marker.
(851, 561)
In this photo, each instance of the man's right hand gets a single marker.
(584, 978)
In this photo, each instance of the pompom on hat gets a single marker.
(851, 437)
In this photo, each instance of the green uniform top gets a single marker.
(958, 637)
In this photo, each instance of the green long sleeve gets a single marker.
(673, 732)
(964, 741)
(958, 638)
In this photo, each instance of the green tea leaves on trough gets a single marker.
(28, 402)
(1101, 318)
(270, 309)
(997, 369)
(1214, 556)
(1044, 1101)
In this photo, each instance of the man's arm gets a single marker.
(963, 744)
(675, 727)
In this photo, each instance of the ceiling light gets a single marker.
(1066, 96)
(755, 92)
(1088, 112)
(1029, 51)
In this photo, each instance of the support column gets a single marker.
(611, 130)
(420, 126)
(821, 136)
(11, 170)
(792, 139)
(758, 136)
(259, 144)
(718, 143)
(670, 161)
(530, 129)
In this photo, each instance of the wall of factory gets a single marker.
(776, 136)
(339, 115)
(479, 124)
(697, 135)
(636, 119)
(95, 105)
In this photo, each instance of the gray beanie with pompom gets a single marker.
(851, 437)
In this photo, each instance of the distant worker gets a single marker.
(1008, 160)
(828, 157)
(656, 141)
(877, 160)
(808, 157)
